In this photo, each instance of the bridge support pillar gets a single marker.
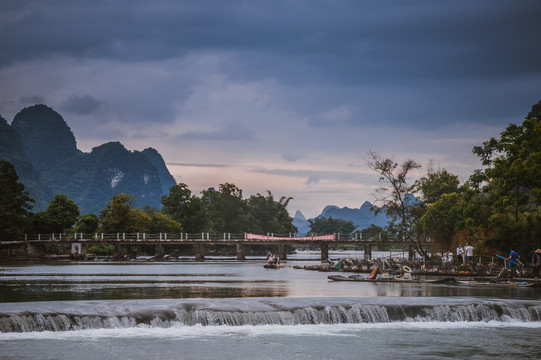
(159, 250)
(282, 253)
(199, 252)
(78, 251)
(34, 250)
(119, 249)
(324, 252)
(240, 252)
(411, 252)
(368, 251)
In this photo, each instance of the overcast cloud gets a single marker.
(286, 96)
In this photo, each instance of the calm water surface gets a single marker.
(239, 310)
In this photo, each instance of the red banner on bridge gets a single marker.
(306, 238)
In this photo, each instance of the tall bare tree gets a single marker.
(397, 196)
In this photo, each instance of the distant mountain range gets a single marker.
(44, 152)
(362, 217)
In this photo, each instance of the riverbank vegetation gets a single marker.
(496, 209)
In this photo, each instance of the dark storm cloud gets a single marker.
(303, 41)
(81, 104)
(422, 63)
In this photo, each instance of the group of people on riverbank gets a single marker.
(464, 255)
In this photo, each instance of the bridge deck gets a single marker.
(203, 238)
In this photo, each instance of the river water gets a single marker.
(227, 309)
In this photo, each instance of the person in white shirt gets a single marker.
(460, 253)
(450, 257)
(468, 252)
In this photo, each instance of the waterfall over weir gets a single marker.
(82, 315)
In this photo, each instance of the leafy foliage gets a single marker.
(117, 216)
(160, 222)
(226, 209)
(442, 218)
(436, 184)
(269, 215)
(15, 203)
(186, 209)
(513, 161)
(87, 224)
(61, 214)
(511, 183)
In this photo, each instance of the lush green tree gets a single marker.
(511, 183)
(140, 222)
(435, 184)
(330, 225)
(15, 203)
(513, 162)
(161, 223)
(396, 194)
(185, 208)
(61, 214)
(87, 224)
(269, 215)
(117, 216)
(284, 219)
(226, 209)
(438, 211)
(120, 216)
(443, 219)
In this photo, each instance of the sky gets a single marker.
(286, 96)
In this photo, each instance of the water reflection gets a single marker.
(106, 281)
(82, 292)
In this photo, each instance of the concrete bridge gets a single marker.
(79, 242)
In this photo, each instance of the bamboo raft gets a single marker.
(445, 281)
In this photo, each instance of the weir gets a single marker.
(215, 314)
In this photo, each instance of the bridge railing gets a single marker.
(187, 237)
